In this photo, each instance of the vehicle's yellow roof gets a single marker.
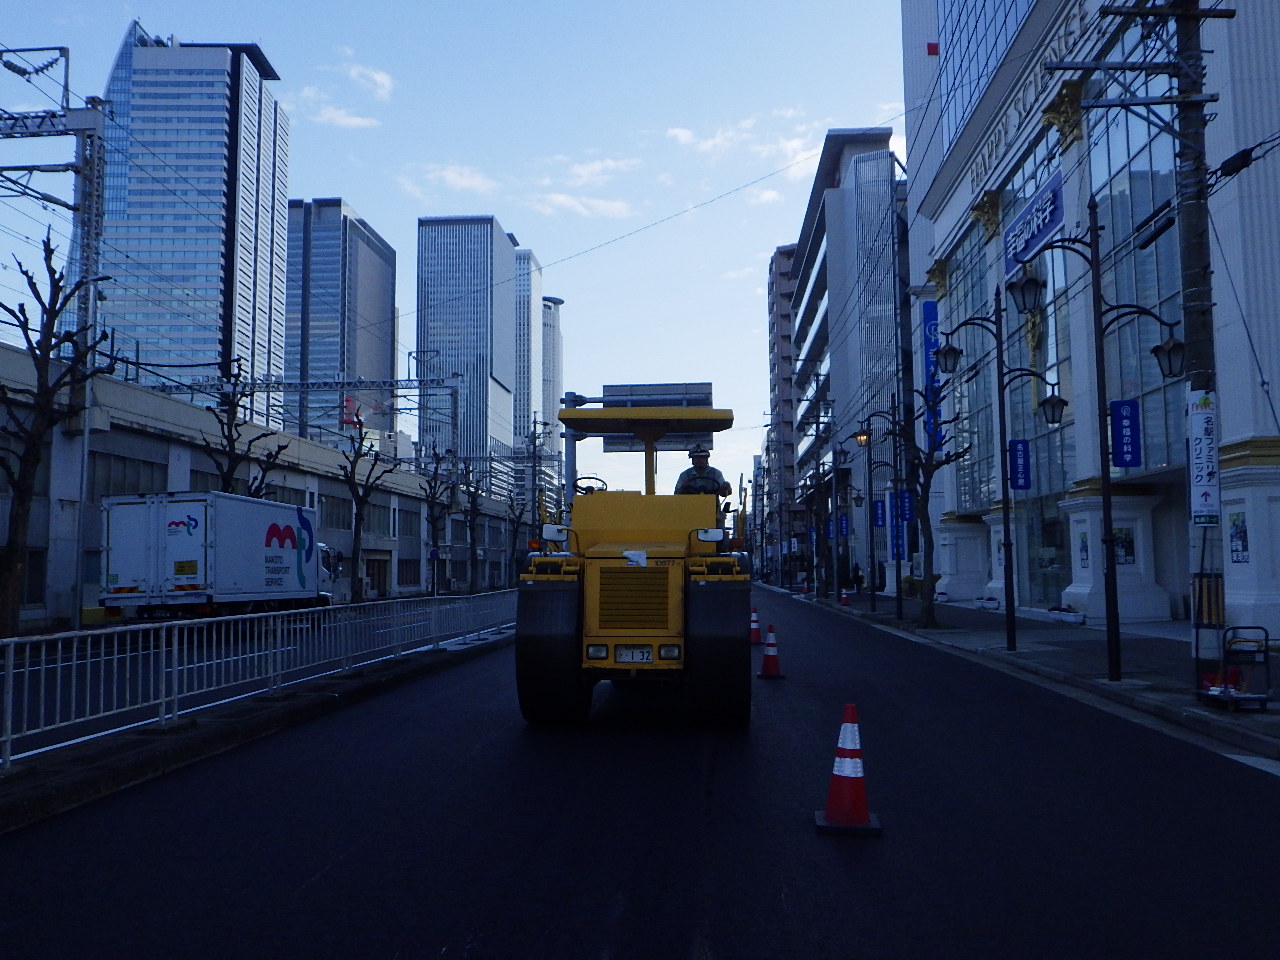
(646, 423)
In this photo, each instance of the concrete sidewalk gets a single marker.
(1158, 675)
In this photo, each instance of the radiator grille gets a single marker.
(633, 598)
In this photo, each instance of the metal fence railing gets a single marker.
(63, 688)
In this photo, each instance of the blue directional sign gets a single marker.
(1019, 464)
(877, 512)
(844, 524)
(1126, 433)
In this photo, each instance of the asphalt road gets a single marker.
(430, 822)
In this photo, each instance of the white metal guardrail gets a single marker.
(63, 688)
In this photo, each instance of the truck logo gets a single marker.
(278, 536)
(189, 524)
(304, 545)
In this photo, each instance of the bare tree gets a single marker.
(924, 460)
(471, 491)
(440, 488)
(363, 469)
(517, 514)
(233, 450)
(62, 366)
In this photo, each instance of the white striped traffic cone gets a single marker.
(846, 810)
(770, 666)
(755, 626)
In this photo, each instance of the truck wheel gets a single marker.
(549, 680)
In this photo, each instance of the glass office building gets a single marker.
(340, 321)
(467, 290)
(195, 212)
(1003, 120)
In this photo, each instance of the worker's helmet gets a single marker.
(699, 451)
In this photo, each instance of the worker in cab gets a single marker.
(702, 477)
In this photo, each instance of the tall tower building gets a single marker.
(529, 348)
(552, 370)
(340, 319)
(196, 208)
(467, 326)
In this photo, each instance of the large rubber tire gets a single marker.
(550, 683)
(717, 644)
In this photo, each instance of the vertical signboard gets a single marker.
(1019, 464)
(1202, 437)
(877, 512)
(1126, 433)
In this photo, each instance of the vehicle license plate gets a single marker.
(624, 653)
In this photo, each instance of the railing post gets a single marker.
(6, 740)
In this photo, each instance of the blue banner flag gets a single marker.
(1126, 433)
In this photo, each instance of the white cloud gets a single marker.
(760, 197)
(417, 179)
(340, 117)
(377, 82)
(599, 172)
(722, 140)
(797, 155)
(553, 203)
(315, 105)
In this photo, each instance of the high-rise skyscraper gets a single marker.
(340, 319)
(552, 371)
(467, 326)
(528, 392)
(196, 210)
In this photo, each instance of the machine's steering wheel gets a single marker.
(589, 485)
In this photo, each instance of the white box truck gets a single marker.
(209, 554)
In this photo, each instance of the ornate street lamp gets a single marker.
(1169, 355)
(1053, 407)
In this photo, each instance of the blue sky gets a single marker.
(652, 155)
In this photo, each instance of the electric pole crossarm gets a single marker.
(1169, 101)
(1121, 10)
(1151, 66)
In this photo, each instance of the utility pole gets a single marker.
(1191, 212)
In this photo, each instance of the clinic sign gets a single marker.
(1039, 220)
(1202, 441)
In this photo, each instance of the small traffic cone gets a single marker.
(846, 810)
(770, 669)
(844, 598)
(755, 626)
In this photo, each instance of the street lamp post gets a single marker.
(1053, 406)
(863, 437)
(1169, 355)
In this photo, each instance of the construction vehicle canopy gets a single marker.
(648, 425)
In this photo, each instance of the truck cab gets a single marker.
(637, 586)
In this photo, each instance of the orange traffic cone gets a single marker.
(770, 669)
(847, 794)
(755, 626)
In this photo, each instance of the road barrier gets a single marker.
(64, 688)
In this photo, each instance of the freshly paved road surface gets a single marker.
(430, 822)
